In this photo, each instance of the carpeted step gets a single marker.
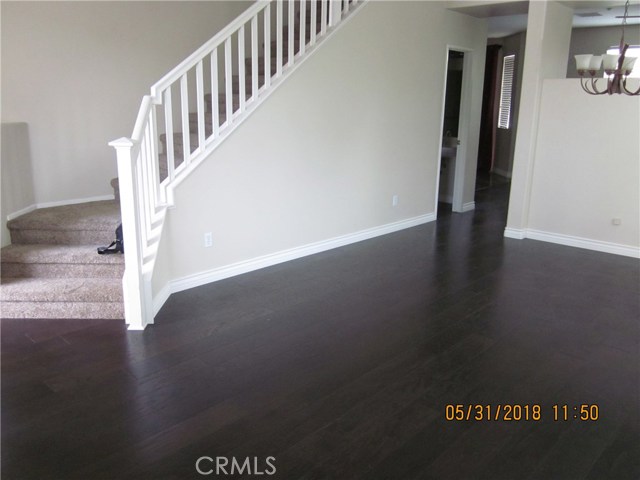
(249, 65)
(208, 123)
(178, 142)
(296, 30)
(164, 166)
(92, 223)
(285, 48)
(222, 104)
(51, 261)
(248, 82)
(62, 298)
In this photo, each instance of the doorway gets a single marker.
(452, 152)
(450, 126)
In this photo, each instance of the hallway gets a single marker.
(342, 364)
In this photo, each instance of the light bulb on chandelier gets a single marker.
(616, 67)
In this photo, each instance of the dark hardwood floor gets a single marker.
(341, 365)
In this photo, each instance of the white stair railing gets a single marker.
(194, 107)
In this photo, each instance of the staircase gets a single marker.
(52, 269)
(218, 113)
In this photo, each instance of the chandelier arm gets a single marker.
(594, 88)
(629, 92)
(582, 84)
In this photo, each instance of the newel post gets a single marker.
(132, 282)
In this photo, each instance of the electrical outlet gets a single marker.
(394, 200)
(616, 221)
(208, 239)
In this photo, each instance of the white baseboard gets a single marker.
(573, 241)
(59, 203)
(516, 233)
(161, 297)
(588, 243)
(22, 211)
(75, 201)
(246, 266)
(467, 207)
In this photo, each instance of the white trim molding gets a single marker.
(250, 265)
(75, 201)
(160, 298)
(515, 233)
(22, 211)
(60, 203)
(573, 241)
(467, 207)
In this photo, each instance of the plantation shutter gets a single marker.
(504, 115)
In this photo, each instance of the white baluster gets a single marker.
(323, 13)
(168, 121)
(314, 22)
(140, 187)
(241, 74)
(184, 100)
(200, 104)
(158, 197)
(227, 81)
(303, 26)
(267, 46)
(335, 12)
(215, 107)
(150, 199)
(279, 28)
(291, 26)
(254, 57)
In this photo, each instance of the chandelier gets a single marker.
(616, 67)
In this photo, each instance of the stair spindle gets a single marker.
(184, 108)
(314, 22)
(215, 105)
(227, 82)
(291, 28)
(267, 47)
(168, 122)
(200, 103)
(278, 39)
(303, 25)
(254, 58)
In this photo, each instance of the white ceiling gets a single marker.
(505, 17)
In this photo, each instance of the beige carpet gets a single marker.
(52, 269)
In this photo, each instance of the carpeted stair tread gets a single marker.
(55, 290)
(65, 254)
(64, 310)
(78, 224)
(102, 215)
(51, 261)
